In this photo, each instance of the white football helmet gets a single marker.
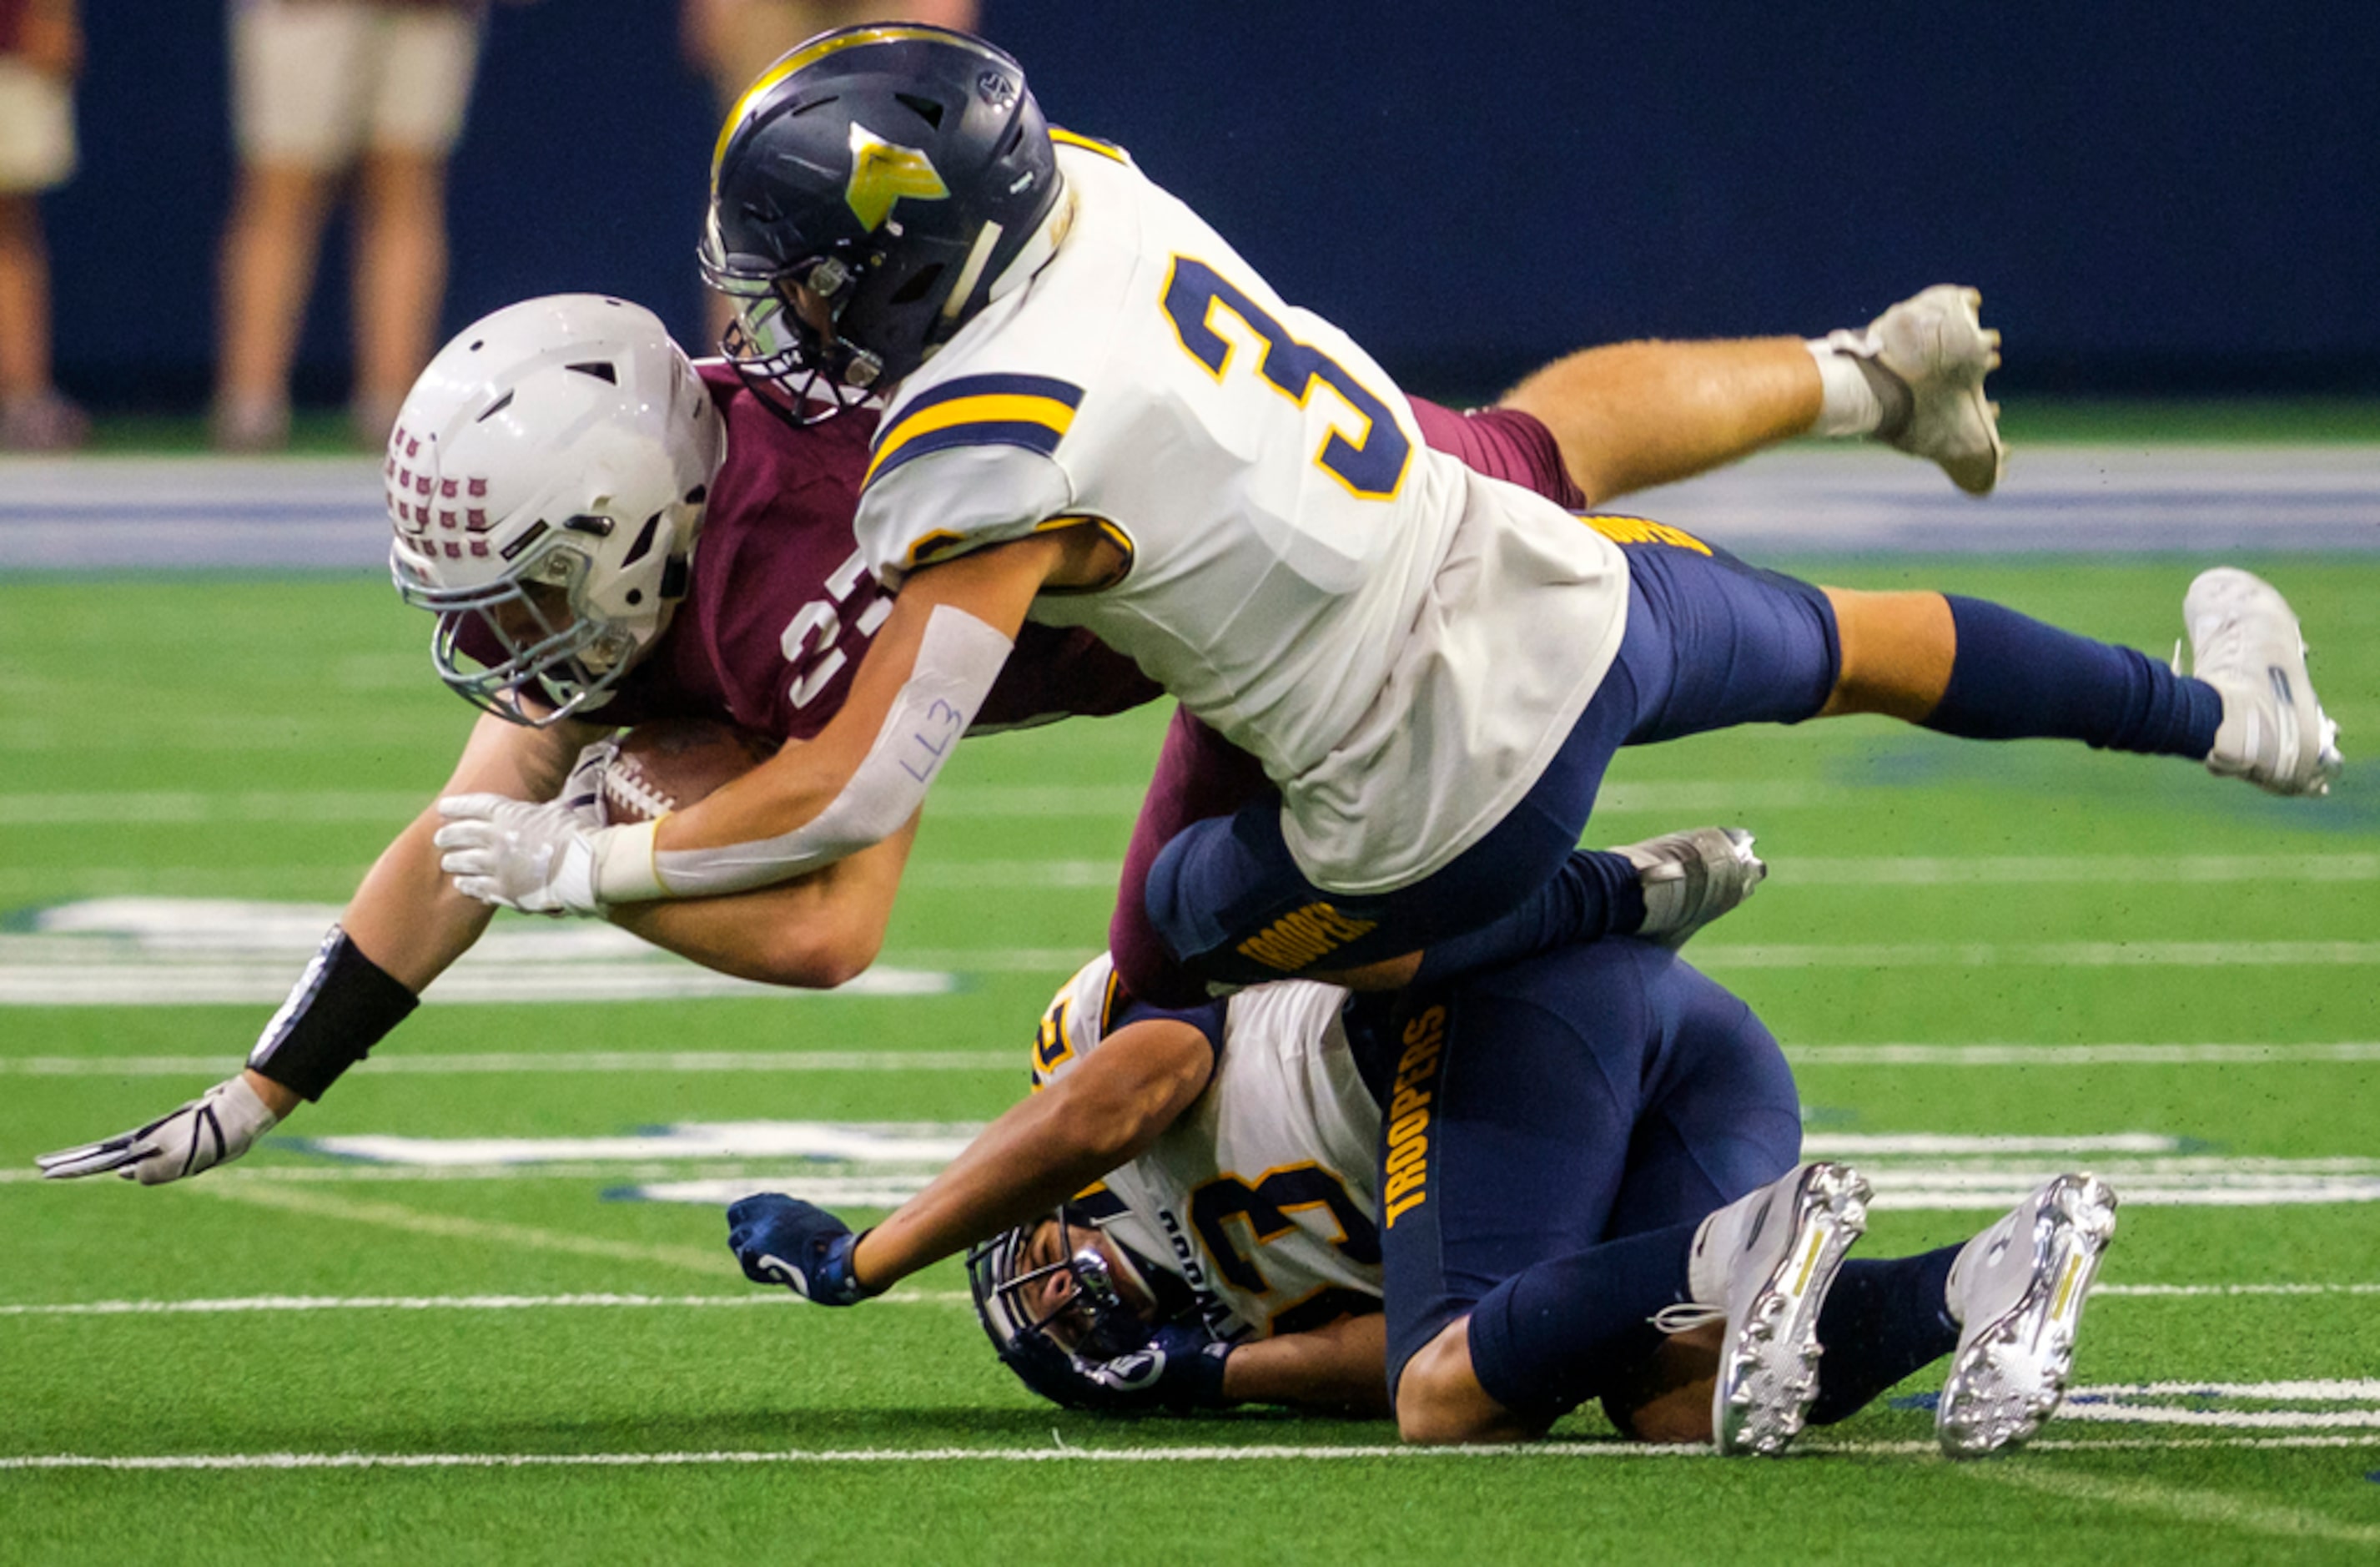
(546, 478)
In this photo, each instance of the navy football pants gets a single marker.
(1711, 642)
(1556, 1107)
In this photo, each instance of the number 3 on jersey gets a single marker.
(1372, 462)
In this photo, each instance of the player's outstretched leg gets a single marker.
(1981, 670)
(2017, 1290)
(1924, 362)
(1771, 1256)
(2245, 643)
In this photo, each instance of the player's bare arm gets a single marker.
(1103, 1113)
(813, 933)
(1109, 1108)
(1338, 1368)
(865, 773)
(405, 926)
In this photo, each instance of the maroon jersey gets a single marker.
(781, 608)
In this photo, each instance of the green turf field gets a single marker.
(496, 1362)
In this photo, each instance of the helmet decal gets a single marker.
(882, 173)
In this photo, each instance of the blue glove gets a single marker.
(781, 1240)
(1179, 1369)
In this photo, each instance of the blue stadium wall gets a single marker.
(2177, 198)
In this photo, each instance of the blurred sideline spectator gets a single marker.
(325, 91)
(732, 41)
(41, 51)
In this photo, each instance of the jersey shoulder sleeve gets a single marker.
(1091, 1007)
(966, 463)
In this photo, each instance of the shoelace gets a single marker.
(1685, 1314)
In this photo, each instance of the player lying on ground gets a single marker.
(613, 535)
(1582, 1184)
(1121, 429)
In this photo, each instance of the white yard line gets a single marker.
(1062, 1454)
(2196, 1505)
(571, 1064)
(1006, 801)
(2039, 955)
(2042, 869)
(683, 1062)
(2192, 1291)
(1941, 1144)
(2222, 1420)
(735, 1180)
(182, 807)
(2359, 1389)
(2078, 1055)
(241, 1305)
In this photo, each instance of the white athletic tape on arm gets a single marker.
(958, 658)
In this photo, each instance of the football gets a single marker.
(670, 764)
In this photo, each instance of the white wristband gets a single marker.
(625, 868)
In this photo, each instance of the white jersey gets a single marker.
(1264, 1195)
(1403, 643)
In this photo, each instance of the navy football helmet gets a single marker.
(1053, 1310)
(871, 193)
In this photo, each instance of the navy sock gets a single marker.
(2014, 678)
(1882, 1321)
(1560, 1331)
(1595, 893)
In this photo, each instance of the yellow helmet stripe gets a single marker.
(809, 55)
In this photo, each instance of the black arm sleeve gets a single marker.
(345, 1004)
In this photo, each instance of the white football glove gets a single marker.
(539, 859)
(582, 791)
(216, 1127)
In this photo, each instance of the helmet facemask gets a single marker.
(1084, 1302)
(539, 621)
(805, 373)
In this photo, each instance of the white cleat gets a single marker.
(1781, 1247)
(1691, 878)
(1934, 343)
(2245, 642)
(2017, 1290)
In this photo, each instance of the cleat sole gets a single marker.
(2011, 1375)
(1769, 1373)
